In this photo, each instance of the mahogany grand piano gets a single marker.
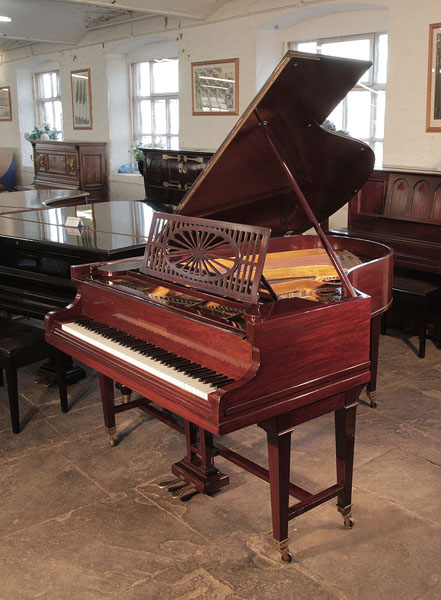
(226, 327)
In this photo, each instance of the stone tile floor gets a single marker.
(82, 521)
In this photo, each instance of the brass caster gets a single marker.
(372, 399)
(349, 522)
(283, 548)
(111, 435)
(166, 484)
(348, 519)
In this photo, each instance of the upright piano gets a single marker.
(402, 208)
(225, 326)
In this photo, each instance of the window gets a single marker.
(155, 94)
(48, 99)
(362, 112)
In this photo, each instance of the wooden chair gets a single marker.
(22, 344)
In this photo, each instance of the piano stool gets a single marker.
(22, 344)
(419, 301)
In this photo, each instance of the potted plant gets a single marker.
(138, 155)
(43, 132)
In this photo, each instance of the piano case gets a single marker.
(272, 327)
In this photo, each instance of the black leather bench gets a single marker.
(418, 301)
(22, 344)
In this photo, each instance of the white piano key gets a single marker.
(147, 364)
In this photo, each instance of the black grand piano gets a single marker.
(232, 317)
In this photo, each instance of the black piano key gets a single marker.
(213, 378)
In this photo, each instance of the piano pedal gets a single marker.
(189, 495)
(188, 487)
(166, 484)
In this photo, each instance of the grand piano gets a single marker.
(219, 326)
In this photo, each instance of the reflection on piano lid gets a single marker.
(37, 250)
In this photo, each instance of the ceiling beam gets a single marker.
(155, 7)
(32, 40)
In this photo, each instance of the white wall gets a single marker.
(258, 39)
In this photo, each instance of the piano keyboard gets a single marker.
(177, 370)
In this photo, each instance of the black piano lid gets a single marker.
(245, 181)
(110, 228)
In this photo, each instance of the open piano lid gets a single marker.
(246, 181)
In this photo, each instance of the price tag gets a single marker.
(74, 222)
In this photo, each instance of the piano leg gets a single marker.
(371, 388)
(279, 453)
(197, 467)
(344, 444)
(107, 399)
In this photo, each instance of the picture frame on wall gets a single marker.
(81, 99)
(433, 114)
(5, 103)
(215, 87)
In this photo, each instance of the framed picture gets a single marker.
(433, 114)
(215, 87)
(5, 103)
(81, 99)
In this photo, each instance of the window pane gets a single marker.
(48, 113)
(165, 77)
(174, 143)
(174, 116)
(379, 121)
(58, 111)
(336, 116)
(143, 79)
(46, 85)
(359, 49)
(307, 47)
(382, 59)
(145, 116)
(378, 149)
(359, 114)
(159, 116)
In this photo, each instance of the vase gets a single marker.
(44, 137)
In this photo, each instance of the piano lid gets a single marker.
(246, 182)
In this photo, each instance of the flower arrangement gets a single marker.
(41, 131)
(330, 126)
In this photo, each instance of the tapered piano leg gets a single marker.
(107, 399)
(279, 454)
(371, 388)
(344, 443)
(197, 467)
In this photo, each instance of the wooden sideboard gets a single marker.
(71, 165)
(168, 174)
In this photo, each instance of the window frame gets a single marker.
(137, 98)
(40, 101)
(372, 84)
